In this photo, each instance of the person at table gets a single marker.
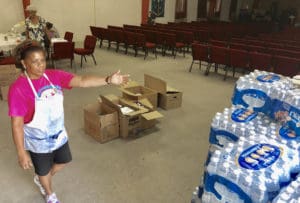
(36, 109)
(51, 31)
(35, 26)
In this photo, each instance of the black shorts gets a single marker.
(43, 162)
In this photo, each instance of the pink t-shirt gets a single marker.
(21, 96)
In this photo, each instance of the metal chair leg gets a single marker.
(191, 66)
(84, 58)
(226, 71)
(94, 59)
(207, 69)
(81, 61)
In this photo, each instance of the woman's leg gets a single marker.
(46, 182)
(56, 167)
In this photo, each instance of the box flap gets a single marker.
(131, 83)
(111, 100)
(152, 115)
(155, 84)
(130, 93)
(172, 90)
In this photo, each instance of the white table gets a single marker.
(9, 41)
(53, 40)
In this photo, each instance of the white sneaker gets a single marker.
(36, 180)
(52, 198)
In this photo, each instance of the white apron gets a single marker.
(46, 132)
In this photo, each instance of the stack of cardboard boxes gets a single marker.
(135, 112)
(8, 74)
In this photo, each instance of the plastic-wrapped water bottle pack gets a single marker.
(237, 121)
(257, 89)
(251, 170)
(290, 193)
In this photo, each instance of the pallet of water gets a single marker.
(290, 193)
(253, 169)
(257, 89)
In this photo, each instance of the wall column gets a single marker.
(145, 10)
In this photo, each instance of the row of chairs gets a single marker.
(238, 58)
(271, 48)
(146, 40)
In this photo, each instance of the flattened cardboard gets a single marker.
(168, 97)
(152, 115)
(101, 122)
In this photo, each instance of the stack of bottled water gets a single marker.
(254, 154)
(257, 89)
(250, 170)
(290, 194)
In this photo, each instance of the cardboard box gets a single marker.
(8, 74)
(140, 115)
(4, 92)
(168, 98)
(101, 122)
(134, 91)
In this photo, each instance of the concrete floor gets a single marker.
(163, 166)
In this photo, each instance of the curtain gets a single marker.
(25, 4)
(181, 9)
(202, 8)
(145, 10)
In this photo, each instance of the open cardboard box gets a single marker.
(140, 117)
(134, 91)
(101, 122)
(168, 97)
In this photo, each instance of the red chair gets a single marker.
(88, 49)
(146, 46)
(253, 48)
(286, 53)
(130, 41)
(286, 66)
(218, 56)
(238, 59)
(7, 60)
(170, 42)
(96, 32)
(63, 50)
(260, 61)
(199, 53)
(68, 36)
(241, 46)
(188, 39)
(218, 43)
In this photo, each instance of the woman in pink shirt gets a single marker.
(35, 102)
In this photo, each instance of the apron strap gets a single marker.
(32, 87)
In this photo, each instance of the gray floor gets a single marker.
(161, 167)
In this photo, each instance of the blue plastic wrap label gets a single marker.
(270, 78)
(243, 115)
(259, 156)
(287, 133)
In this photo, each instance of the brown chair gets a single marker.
(171, 43)
(199, 53)
(260, 61)
(68, 36)
(63, 50)
(218, 56)
(130, 41)
(88, 49)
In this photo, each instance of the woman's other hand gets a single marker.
(118, 79)
(25, 160)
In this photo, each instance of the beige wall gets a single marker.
(192, 10)
(10, 14)
(78, 15)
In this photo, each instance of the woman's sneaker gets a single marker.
(36, 180)
(52, 198)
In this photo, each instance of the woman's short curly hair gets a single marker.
(24, 49)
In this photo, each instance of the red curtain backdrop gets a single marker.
(145, 10)
(25, 4)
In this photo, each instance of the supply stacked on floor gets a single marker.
(134, 112)
(254, 150)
